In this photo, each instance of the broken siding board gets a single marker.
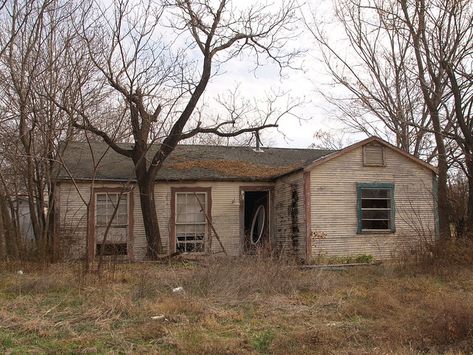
(334, 205)
(289, 216)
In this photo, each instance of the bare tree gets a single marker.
(159, 60)
(381, 96)
(41, 64)
(397, 80)
(441, 33)
(461, 120)
(327, 139)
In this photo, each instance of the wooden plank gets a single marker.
(209, 221)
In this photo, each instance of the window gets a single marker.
(191, 223)
(375, 207)
(105, 206)
(373, 155)
(117, 236)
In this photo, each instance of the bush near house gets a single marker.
(355, 259)
(242, 306)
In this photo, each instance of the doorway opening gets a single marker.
(256, 221)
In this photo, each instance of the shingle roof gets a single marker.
(190, 162)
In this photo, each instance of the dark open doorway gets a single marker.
(256, 221)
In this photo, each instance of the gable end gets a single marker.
(368, 141)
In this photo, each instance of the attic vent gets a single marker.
(373, 155)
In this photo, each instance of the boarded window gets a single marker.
(375, 207)
(111, 208)
(191, 224)
(373, 155)
(112, 249)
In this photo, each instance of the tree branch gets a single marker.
(215, 130)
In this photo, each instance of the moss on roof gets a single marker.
(236, 168)
(189, 162)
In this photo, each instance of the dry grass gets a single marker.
(231, 306)
(441, 256)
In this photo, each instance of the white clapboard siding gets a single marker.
(334, 205)
(73, 220)
(283, 214)
(225, 216)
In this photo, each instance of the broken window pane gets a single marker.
(376, 214)
(368, 224)
(376, 204)
(375, 193)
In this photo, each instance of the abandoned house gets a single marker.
(369, 198)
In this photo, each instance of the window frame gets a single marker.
(92, 242)
(173, 235)
(392, 216)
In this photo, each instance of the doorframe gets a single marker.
(249, 188)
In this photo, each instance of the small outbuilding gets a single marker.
(369, 198)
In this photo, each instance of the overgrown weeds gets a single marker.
(249, 278)
(248, 305)
(437, 256)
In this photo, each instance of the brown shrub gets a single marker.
(438, 256)
(449, 321)
(244, 278)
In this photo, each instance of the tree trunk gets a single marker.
(2, 238)
(432, 98)
(443, 205)
(30, 175)
(150, 218)
(469, 222)
(465, 142)
(10, 236)
(52, 224)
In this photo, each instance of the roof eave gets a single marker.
(118, 180)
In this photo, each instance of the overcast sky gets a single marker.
(303, 83)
